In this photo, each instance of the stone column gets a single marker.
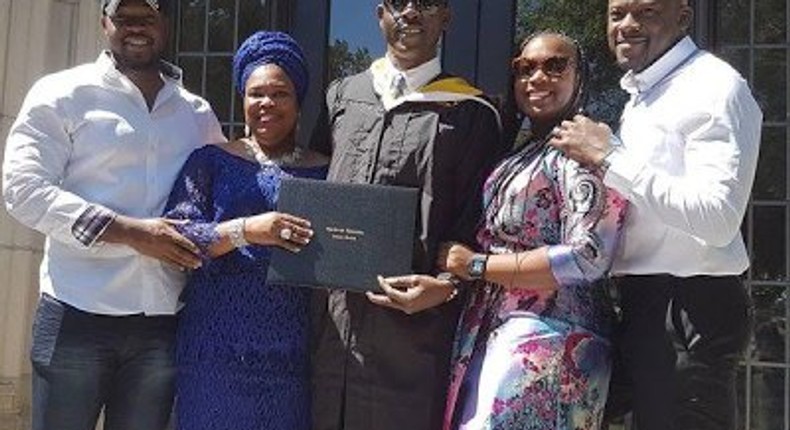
(36, 37)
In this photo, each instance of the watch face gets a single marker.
(477, 266)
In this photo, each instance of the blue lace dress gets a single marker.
(242, 345)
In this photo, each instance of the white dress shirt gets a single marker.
(690, 139)
(85, 138)
(386, 78)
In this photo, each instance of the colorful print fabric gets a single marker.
(530, 359)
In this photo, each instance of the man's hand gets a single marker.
(583, 140)
(412, 293)
(156, 238)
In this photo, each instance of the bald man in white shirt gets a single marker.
(685, 157)
(89, 162)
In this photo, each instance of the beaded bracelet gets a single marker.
(236, 233)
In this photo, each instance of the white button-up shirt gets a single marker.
(690, 136)
(385, 75)
(83, 139)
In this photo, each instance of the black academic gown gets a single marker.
(375, 368)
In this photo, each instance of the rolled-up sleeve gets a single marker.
(36, 156)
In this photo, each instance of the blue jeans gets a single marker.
(84, 362)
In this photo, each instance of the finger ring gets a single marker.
(286, 234)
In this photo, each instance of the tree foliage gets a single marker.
(343, 62)
(585, 21)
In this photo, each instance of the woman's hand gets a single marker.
(278, 229)
(454, 258)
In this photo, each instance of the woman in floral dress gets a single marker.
(532, 349)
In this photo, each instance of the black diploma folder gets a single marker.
(361, 231)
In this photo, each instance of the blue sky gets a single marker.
(355, 22)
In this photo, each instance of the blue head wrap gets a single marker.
(271, 47)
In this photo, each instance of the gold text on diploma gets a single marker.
(342, 233)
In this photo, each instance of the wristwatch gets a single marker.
(453, 280)
(477, 266)
(606, 162)
(449, 277)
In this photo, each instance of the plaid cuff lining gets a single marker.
(91, 224)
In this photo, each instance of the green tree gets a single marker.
(584, 21)
(343, 62)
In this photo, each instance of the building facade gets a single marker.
(41, 36)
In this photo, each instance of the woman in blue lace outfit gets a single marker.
(242, 345)
(532, 349)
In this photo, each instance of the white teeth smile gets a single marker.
(137, 42)
(634, 41)
(537, 95)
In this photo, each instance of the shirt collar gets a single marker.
(635, 83)
(168, 71)
(416, 77)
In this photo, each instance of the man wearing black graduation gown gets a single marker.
(382, 363)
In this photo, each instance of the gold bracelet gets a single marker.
(514, 271)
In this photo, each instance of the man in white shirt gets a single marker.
(685, 157)
(90, 162)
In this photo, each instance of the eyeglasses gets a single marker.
(429, 7)
(553, 67)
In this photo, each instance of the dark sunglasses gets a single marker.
(423, 6)
(553, 67)
(123, 21)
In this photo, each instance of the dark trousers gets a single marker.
(83, 362)
(680, 341)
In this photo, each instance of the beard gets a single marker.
(138, 60)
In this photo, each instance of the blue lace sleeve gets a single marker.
(191, 200)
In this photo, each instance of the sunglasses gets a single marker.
(423, 6)
(123, 21)
(553, 67)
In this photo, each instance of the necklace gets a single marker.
(264, 160)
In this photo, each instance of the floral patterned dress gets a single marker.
(529, 359)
